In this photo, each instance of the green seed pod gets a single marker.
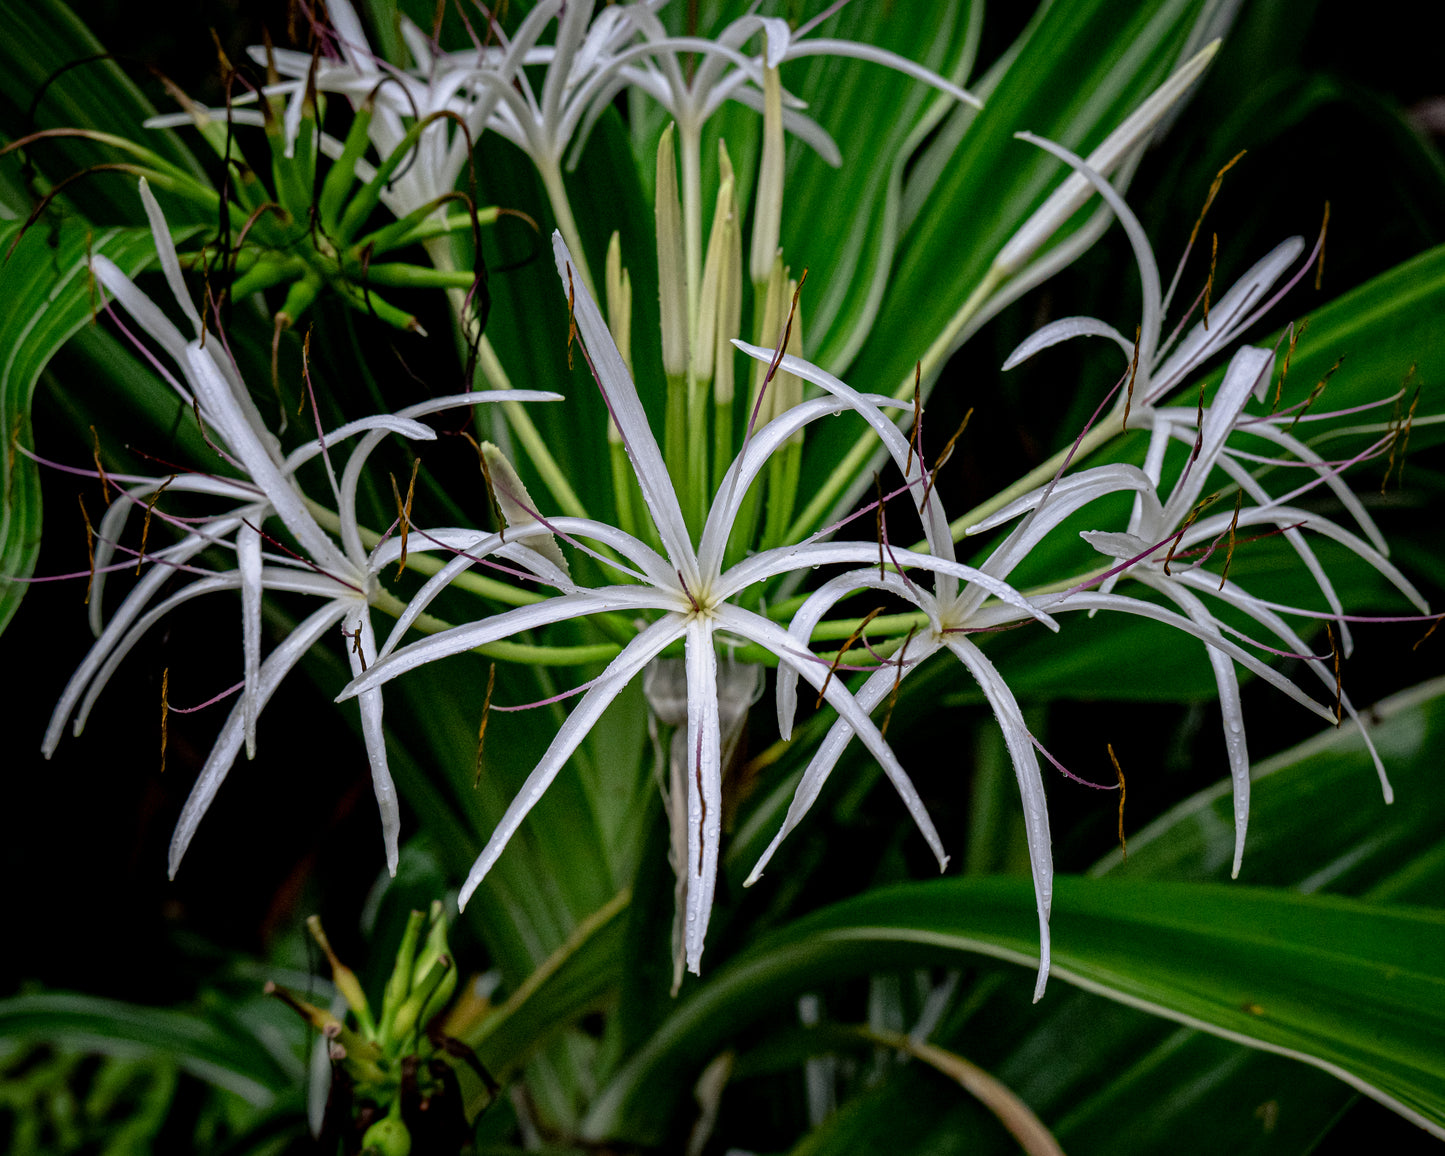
(387, 1137)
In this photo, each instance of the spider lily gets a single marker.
(954, 607)
(1164, 532)
(343, 572)
(686, 586)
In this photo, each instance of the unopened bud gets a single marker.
(671, 264)
(619, 300)
(767, 220)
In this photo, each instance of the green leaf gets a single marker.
(47, 293)
(230, 1059)
(45, 42)
(1355, 989)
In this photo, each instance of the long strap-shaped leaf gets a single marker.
(1353, 988)
(46, 289)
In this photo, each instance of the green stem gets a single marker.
(566, 223)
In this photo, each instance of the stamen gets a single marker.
(1434, 627)
(482, 730)
(355, 636)
(1335, 650)
(89, 546)
(697, 607)
(1324, 229)
(944, 455)
(99, 469)
(1294, 336)
(1199, 508)
(1133, 373)
(847, 645)
(897, 683)
(1198, 429)
(165, 713)
(403, 511)
(146, 525)
(1400, 435)
(1209, 283)
(1233, 525)
(1214, 186)
(1315, 393)
(1118, 770)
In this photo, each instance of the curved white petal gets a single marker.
(277, 665)
(620, 671)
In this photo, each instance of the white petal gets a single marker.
(635, 655)
(358, 620)
(248, 560)
(625, 406)
(1065, 329)
(228, 744)
(704, 787)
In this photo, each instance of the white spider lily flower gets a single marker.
(687, 587)
(342, 572)
(954, 607)
(1168, 541)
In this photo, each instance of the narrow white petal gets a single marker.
(704, 787)
(1230, 707)
(166, 251)
(358, 623)
(248, 561)
(1065, 329)
(1031, 786)
(626, 408)
(277, 665)
(879, 686)
(622, 670)
(771, 636)
(460, 639)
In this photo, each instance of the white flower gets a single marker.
(1159, 546)
(687, 588)
(343, 573)
(953, 612)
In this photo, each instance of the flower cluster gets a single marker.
(687, 568)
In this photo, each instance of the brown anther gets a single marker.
(1213, 192)
(1199, 508)
(787, 331)
(99, 467)
(1233, 525)
(1209, 283)
(165, 713)
(838, 658)
(1434, 626)
(146, 524)
(403, 511)
(1133, 373)
(227, 68)
(1324, 230)
(1318, 389)
(1400, 435)
(89, 545)
(1335, 651)
(1198, 428)
(335, 1051)
(482, 729)
(1118, 770)
(897, 683)
(945, 454)
(1295, 333)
